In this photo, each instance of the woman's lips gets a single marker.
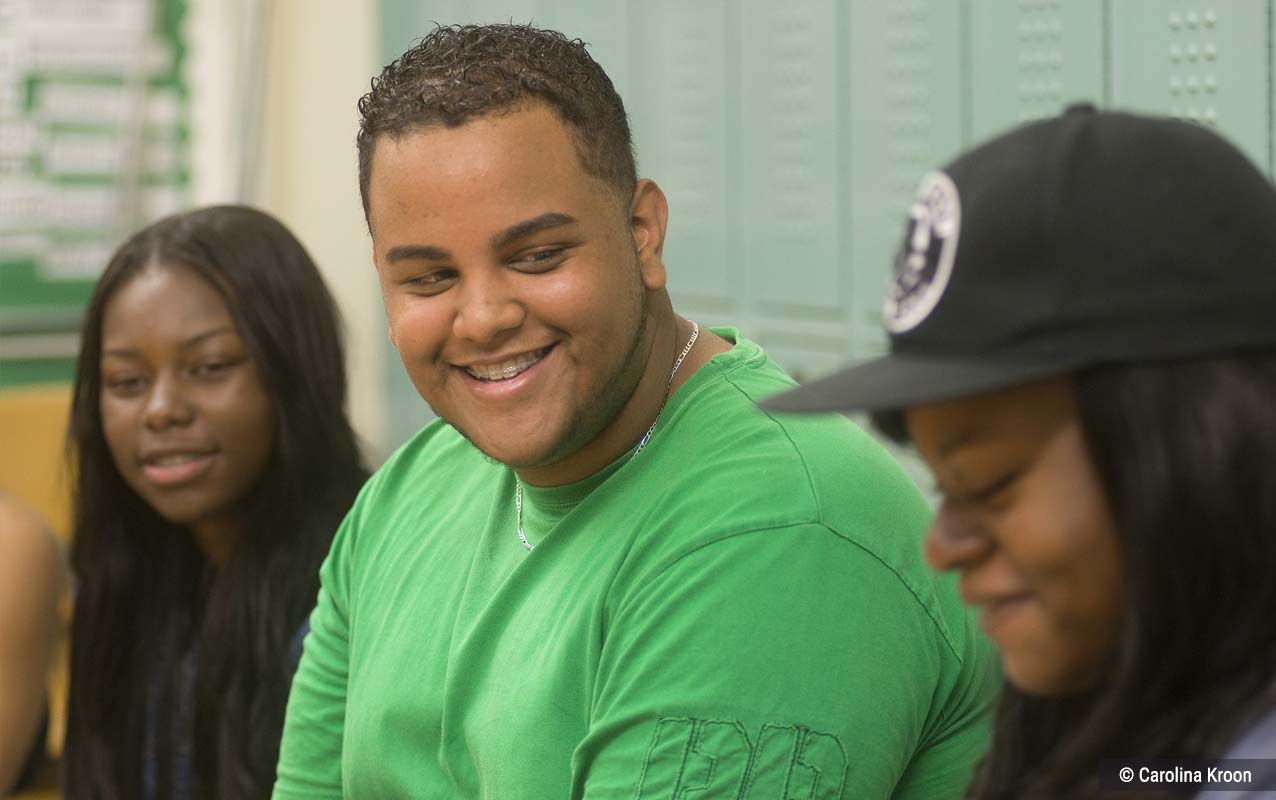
(174, 470)
(995, 615)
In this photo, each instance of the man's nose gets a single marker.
(489, 310)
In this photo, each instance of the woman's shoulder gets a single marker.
(30, 556)
(21, 526)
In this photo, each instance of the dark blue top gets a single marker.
(181, 730)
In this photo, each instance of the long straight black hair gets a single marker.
(1186, 455)
(145, 594)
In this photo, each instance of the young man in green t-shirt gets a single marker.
(602, 572)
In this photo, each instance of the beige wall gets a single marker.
(293, 70)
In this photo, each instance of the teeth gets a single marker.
(506, 369)
(177, 458)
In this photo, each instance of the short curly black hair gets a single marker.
(460, 72)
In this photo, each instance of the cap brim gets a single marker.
(895, 381)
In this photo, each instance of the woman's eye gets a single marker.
(991, 493)
(214, 368)
(210, 368)
(124, 384)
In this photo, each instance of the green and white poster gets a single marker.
(93, 144)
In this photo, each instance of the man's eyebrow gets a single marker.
(424, 252)
(519, 230)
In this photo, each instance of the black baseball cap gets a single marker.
(1092, 238)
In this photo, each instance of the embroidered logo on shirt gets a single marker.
(704, 758)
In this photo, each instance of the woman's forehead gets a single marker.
(1029, 411)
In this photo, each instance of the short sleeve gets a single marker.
(774, 663)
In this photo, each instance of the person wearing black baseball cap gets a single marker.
(1082, 330)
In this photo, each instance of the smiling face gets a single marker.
(518, 289)
(185, 415)
(1025, 522)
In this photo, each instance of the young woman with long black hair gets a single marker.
(1083, 351)
(213, 461)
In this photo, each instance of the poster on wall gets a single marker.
(93, 144)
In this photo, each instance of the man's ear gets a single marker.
(648, 215)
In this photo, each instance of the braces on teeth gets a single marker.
(507, 372)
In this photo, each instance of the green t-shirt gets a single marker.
(741, 611)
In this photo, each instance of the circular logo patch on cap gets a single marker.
(925, 259)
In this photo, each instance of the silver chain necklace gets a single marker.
(646, 437)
